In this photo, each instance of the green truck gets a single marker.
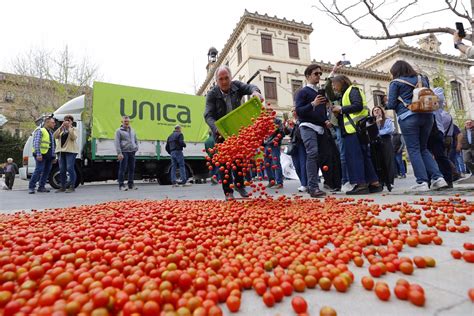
(153, 115)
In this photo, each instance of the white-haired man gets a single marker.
(11, 169)
(223, 98)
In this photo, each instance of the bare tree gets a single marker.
(48, 79)
(385, 14)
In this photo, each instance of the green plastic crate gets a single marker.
(232, 122)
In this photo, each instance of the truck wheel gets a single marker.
(166, 178)
(55, 178)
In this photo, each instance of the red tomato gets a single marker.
(456, 254)
(367, 283)
(382, 291)
(416, 297)
(468, 256)
(299, 304)
(268, 299)
(151, 308)
(233, 303)
(401, 292)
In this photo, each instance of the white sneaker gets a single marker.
(347, 187)
(302, 189)
(438, 184)
(420, 187)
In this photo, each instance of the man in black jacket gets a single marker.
(224, 97)
(311, 110)
(175, 143)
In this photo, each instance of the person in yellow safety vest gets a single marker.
(43, 151)
(354, 108)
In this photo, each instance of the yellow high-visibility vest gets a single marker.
(45, 142)
(354, 116)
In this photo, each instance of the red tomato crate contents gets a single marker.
(173, 257)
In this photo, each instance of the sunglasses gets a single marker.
(317, 73)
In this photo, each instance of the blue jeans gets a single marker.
(400, 164)
(460, 166)
(127, 164)
(177, 162)
(66, 163)
(358, 161)
(299, 161)
(42, 170)
(270, 161)
(416, 130)
(310, 140)
(342, 154)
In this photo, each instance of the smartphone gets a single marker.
(460, 29)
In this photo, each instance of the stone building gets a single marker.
(24, 99)
(279, 50)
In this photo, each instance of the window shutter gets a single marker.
(267, 44)
(293, 48)
(270, 88)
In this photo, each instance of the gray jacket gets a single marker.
(216, 106)
(125, 140)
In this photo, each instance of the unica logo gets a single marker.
(151, 111)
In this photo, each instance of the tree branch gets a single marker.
(453, 8)
(408, 34)
(384, 26)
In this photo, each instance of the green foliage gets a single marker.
(11, 146)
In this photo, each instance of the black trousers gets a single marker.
(328, 155)
(9, 179)
(436, 147)
(233, 177)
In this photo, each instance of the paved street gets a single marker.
(446, 285)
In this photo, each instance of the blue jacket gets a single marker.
(399, 89)
(305, 110)
(176, 141)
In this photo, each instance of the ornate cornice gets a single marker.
(258, 19)
(402, 48)
(355, 71)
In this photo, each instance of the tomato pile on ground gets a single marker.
(197, 257)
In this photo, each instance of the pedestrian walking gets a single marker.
(126, 145)
(175, 143)
(67, 150)
(10, 169)
(43, 152)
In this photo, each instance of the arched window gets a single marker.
(456, 94)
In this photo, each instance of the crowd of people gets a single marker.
(330, 129)
(358, 151)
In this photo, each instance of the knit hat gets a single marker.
(440, 94)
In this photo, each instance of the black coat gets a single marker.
(216, 106)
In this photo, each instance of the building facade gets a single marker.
(279, 51)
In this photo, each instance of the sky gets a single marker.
(163, 44)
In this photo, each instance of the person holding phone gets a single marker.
(458, 44)
(67, 150)
(311, 110)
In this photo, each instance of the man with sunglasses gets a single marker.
(311, 110)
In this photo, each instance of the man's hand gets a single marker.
(328, 124)
(458, 148)
(319, 100)
(456, 37)
(258, 95)
(39, 158)
(119, 157)
(337, 66)
(336, 109)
